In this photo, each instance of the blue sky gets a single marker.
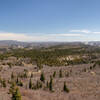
(50, 20)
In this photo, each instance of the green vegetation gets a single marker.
(51, 84)
(41, 58)
(30, 84)
(16, 95)
(14, 91)
(42, 78)
(51, 56)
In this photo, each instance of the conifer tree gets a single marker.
(30, 84)
(50, 83)
(65, 89)
(42, 78)
(16, 95)
(14, 91)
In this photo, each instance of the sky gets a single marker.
(50, 20)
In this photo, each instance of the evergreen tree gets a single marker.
(42, 78)
(16, 95)
(50, 83)
(14, 91)
(30, 84)
(65, 89)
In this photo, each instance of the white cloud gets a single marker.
(35, 37)
(84, 31)
(75, 35)
(72, 35)
(20, 37)
(81, 31)
(96, 32)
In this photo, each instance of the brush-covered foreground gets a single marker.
(55, 73)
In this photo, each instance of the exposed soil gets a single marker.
(83, 83)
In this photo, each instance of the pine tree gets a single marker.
(16, 95)
(30, 84)
(14, 91)
(65, 89)
(50, 83)
(42, 78)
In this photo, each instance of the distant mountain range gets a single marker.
(93, 43)
(10, 43)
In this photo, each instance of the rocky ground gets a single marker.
(82, 81)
